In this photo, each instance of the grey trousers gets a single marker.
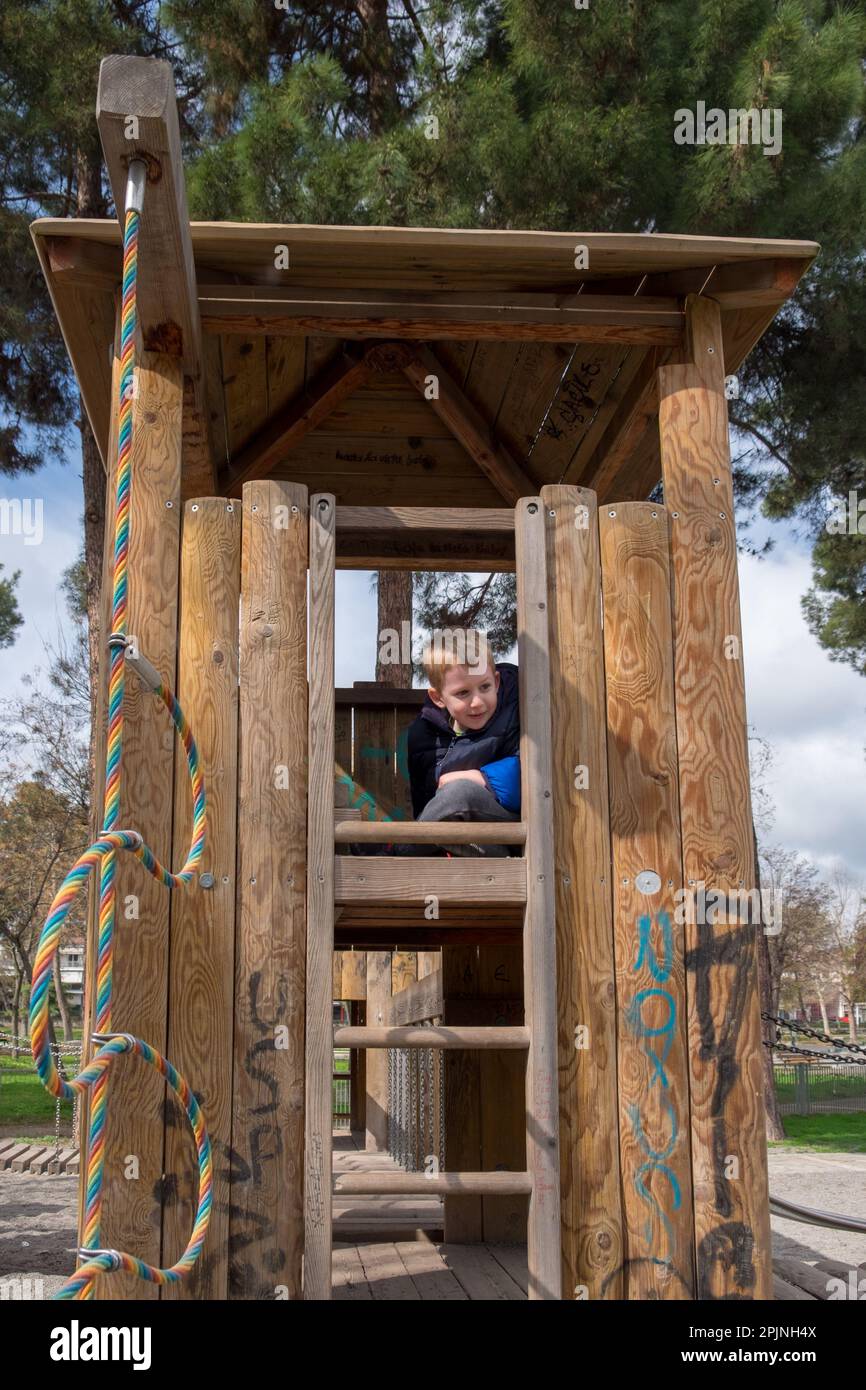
(466, 800)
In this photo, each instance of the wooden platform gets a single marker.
(411, 1270)
(830, 1280)
(375, 1219)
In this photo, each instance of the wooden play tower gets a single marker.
(319, 398)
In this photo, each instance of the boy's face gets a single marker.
(468, 696)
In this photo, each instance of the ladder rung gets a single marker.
(414, 881)
(498, 1184)
(468, 1038)
(389, 832)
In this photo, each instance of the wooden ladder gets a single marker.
(528, 881)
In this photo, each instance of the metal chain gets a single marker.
(812, 1033)
(815, 1056)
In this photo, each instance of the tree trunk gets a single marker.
(823, 1007)
(768, 989)
(378, 58)
(394, 609)
(65, 1016)
(16, 1007)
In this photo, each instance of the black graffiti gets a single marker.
(732, 1246)
(735, 948)
(658, 1265)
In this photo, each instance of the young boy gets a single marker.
(464, 746)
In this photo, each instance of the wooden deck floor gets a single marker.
(391, 1248)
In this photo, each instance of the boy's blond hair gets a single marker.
(450, 647)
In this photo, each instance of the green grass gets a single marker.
(825, 1133)
(24, 1100)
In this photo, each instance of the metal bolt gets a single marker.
(169, 504)
(230, 507)
(674, 513)
(206, 880)
(532, 508)
(194, 507)
(551, 512)
(323, 505)
(722, 515)
(611, 513)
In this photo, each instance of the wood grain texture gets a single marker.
(652, 1051)
(503, 1092)
(267, 1214)
(417, 881)
(143, 88)
(378, 1004)
(728, 1122)
(134, 1121)
(320, 905)
(462, 1078)
(592, 1242)
(539, 932)
(201, 996)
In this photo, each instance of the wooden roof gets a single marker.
(317, 372)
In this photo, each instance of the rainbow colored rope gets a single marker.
(102, 854)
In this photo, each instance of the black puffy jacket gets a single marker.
(434, 748)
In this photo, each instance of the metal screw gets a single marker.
(230, 507)
(611, 513)
(294, 509)
(533, 508)
(551, 512)
(194, 507)
(674, 513)
(169, 504)
(722, 515)
(206, 880)
(323, 505)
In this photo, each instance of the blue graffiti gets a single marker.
(660, 969)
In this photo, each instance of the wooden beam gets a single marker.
(729, 1154)
(419, 1001)
(391, 520)
(417, 1035)
(136, 112)
(274, 310)
(287, 428)
(319, 1050)
(405, 1184)
(413, 881)
(440, 538)
(624, 431)
(426, 372)
(378, 1003)
(430, 833)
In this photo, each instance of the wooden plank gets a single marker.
(387, 520)
(815, 1282)
(577, 399)
(513, 1261)
(378, 1002)
(201, 968)
(427, 833)
(352, 1184)
(592, 1248)
(468, 426)
(404, 970)
(532, 388)
(320, 905)
(418, 1002)
(463, 1216)
(652, 1042)
(275, 310)
(267, 1213)
(141, 90)
(349, 1280)
(728, 1122)
(539, 933)
(268, 444)
(245, 386)
(503, 1090)
(353, 975)
(12, 1154)
(373, 753)
(386, 1274)
(413, 881)
(428, 1273)
(134, 1119)
(22, 1161)
(286, 360)
(482, 1276)
(453, 1036)
(358, 1063)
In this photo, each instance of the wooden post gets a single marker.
(503, 1092)
(592, 1243)
(267, 1213)
(728, 1124)
(320, 905)
(539, 926)
(652, 1053)
(136, 111)
(201, 994)
(378, 1003)
(134, 1122)
(358, 1069)
(464, 1218)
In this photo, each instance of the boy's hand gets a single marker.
(470, 775)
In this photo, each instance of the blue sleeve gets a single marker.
(503, 779)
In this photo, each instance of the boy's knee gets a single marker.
(460, 798)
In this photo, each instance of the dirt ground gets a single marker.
(38, 1235)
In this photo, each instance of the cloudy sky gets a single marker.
(812, 710)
